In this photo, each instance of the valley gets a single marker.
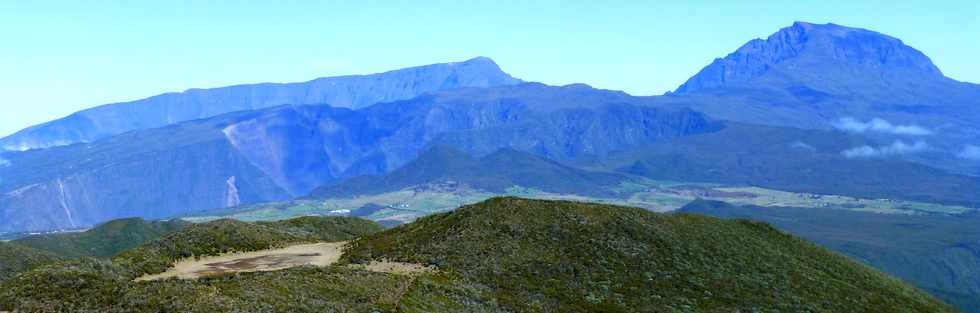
(403, 206)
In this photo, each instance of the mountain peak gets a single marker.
(481, 60)
(817, 51)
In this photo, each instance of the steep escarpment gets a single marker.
(354, 91)
(818, 51)
(284, 152)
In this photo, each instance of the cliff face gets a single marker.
(343, 91)
(816, 52)
(283, 152)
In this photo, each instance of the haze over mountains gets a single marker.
(354, 91)
(804, 76)
(284, 152)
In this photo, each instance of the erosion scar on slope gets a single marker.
(318, 254)
(64, 203)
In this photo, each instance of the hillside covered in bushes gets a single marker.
(501, 255)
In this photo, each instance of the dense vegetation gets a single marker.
(90, 285)
(93, 285)
(228, 235)
(103, 240)
(510, 168)
(15, 258)
(556, 256)
(938, 253)
(794, 160)
(502, 255)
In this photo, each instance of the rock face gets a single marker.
(344, 91)
(815, 76)
(283, 152)
(818, 52)
(810, 75)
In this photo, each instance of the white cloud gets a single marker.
(896, 148)
(970, 152)
(802, 145)
(879, 125)
(4, 163)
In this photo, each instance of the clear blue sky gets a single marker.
(57, 57)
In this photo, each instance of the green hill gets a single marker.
(556, 256)
(936, 252)
(501, 255)
(104, 240)
(15, 258)
(228, 235)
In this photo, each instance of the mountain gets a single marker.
(283, 152)
(103, 240)
(495, 172)
(342, 91)
(831, 76)
(791, 159)
(15, 259)
(812, 54)
(935, 252)
(501, 255)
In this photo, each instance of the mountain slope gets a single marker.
(798, 160)
(284, 152)
(555, 256)
(831, 76)
(103, 240)
(937, 253)
(810, 53)
(15, 259)
(343, 91)
(494, 172)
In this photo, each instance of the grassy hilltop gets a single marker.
(501, 255)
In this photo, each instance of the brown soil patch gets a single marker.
(318, 254)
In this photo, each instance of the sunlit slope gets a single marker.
(556, 256)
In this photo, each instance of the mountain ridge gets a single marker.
(494, 172)
(353, 91)
(283, 152)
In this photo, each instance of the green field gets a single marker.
(662, 196)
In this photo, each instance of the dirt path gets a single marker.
(319, 254)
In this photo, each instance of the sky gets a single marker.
(59, 57)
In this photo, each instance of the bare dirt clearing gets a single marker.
(318, 254)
